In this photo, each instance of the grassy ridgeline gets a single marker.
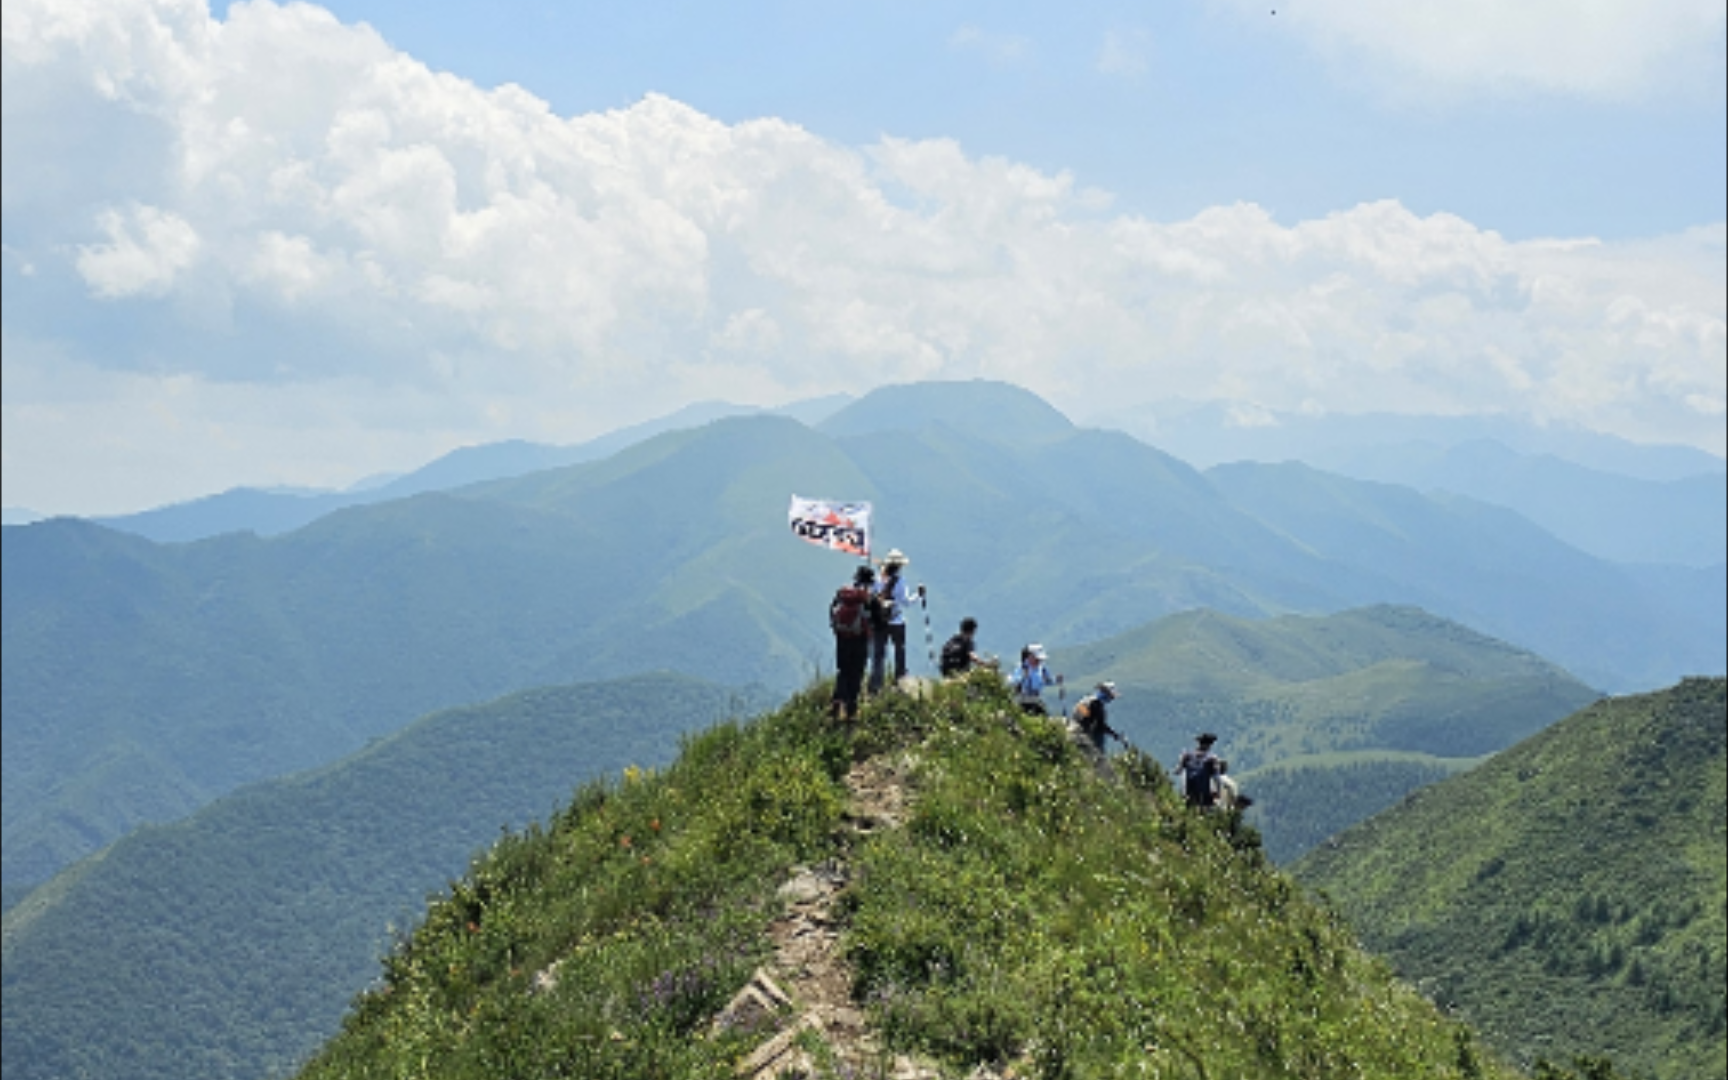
(1025, 912)
(1567, 895)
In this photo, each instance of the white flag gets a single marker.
(843, 526)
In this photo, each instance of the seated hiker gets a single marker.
(1029, 678)
(1198, 769)
(1090, 715)
(1230, 796)
(959, 653)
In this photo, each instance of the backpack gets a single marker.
(1085, 714)
(847, 614)
(881, 607)
(1197, 771)
(956, 655)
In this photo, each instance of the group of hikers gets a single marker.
(868, 617)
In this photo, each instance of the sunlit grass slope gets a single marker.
(1568, 895)
(1026, 914)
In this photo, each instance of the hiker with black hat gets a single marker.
(890, 627)
(959, 653)
(849, 616)
(1198, 767)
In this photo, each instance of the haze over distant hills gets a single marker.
(1212, 433)
(271, 512)
(1610, 515)
(1617, 500)
(142, 680)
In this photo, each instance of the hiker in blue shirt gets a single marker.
(896, 598)
(1029, 678)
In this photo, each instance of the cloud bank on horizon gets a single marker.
(272, 248)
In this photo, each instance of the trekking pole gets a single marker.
(929, 641)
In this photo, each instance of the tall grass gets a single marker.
(1029, 914)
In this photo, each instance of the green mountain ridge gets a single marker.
(1569, 894)
(301, 911)
(179, 672)
(1021, 916)
(1326, 721)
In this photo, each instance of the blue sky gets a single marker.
(292, 244)
(1200, 105)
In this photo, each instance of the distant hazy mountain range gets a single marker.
(1610, 515)
(1617, 500)
(273, 512)
(1212, 433)
(142, 680)
(1569, 895)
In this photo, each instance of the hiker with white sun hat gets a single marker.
(896, 599)
(1029, 678)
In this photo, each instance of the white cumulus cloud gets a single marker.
(284, 208)
(145, 252)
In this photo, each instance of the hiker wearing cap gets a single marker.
(849, 618)
(891, 626)
(1029, 678)
(959, 653)
(1198, 768)
(1091, 716)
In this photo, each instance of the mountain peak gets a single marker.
(983, 408)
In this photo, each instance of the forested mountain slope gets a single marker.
(1569, 893)
(226, 944)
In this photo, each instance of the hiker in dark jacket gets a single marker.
(1091, 716)
(891, 626)
(1198, 770)
(959, 653)
(849, 617)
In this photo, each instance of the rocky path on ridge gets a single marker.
(809, 977)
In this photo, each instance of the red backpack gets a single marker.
(848, 615)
